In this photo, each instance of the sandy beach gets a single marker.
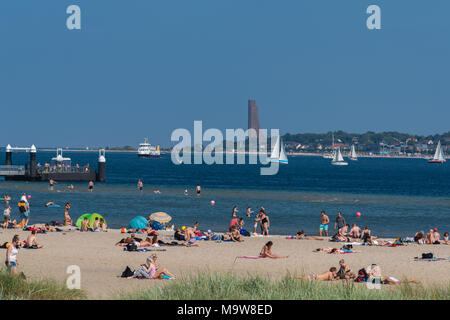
(101, 262)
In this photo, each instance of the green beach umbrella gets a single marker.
(81, 218)
(92, 219)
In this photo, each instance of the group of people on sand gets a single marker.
(261, 218)
(12, 250)
(432, 237)
(371, 274)
(344, 233)
(24, 210)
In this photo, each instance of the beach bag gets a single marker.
(427, 255)
(362, 275)
(127, 273)
(131, 247)
(244, 232)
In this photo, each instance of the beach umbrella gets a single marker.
(92, 219)
(138, 223)
(160, 217)
(81, 218)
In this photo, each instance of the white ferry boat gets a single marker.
(146, 150)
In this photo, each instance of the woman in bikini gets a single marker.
(67, 218)
(265, 224)
(266, 252)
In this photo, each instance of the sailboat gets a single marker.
(338, 160)
(353, 155)
(332, 154)
(438, 155)
(278, 153)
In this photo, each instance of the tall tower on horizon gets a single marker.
(253, 122)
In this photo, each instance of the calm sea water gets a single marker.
(396, 197)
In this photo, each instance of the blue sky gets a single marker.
(142, 68)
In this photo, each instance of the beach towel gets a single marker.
(144, 249)
(431, 259)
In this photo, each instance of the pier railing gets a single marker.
(12, 170)
(64, 169)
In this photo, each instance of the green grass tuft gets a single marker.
(16, 288)
(225, 286)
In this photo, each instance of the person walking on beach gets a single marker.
(91, 186)
(140, 185)
(11, 261)
(340, 221)
(198, 189)
(324, 221)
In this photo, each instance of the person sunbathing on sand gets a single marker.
(374, 273)
(149, 270)
(355, 232)
(190, 238)
(366, 235)
(32, 242)
(103, 225)
(125, 241)
(344, 271)
(85, 225)
(326, 276)
(266, 252)
(446, 239)
(235, 235)
(302, 235)
(430, 237)
(419, 237)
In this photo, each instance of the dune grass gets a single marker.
(225, 286)
(17, 288)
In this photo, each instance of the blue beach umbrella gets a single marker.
(139, 223)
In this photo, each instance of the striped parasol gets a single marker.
(161, 217)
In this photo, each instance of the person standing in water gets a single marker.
(91, 186)
(67, 218)
(140, 185)
(51, 183)
(249, 211)
(186, 192)
(198, 189)
(235, 211)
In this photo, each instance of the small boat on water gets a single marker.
(353, 155)
(146, 150)
(438, 155)
(338, 160)
(332, 154)
(278, 152)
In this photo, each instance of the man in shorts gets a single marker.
(324, 221)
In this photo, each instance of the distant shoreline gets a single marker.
(294, 154)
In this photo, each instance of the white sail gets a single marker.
(283, 158)
(338, 160)
(353, 153)
(276, 150)
(339, 156)
(439, 155)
